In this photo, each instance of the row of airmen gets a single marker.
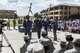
(45, 45)
(38, 25)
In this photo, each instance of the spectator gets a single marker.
(47, 43)
(62, 49)
(69, 40)
(35, 47)
(27, 42)
(76, 49)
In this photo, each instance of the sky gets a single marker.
(21, 6)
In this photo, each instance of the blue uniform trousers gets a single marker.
(28, 32)
(46, 29)
(39, 32)
(55, 35)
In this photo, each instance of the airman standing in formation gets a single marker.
(55, 27)
(28, 26)
(38, 24)
(46, 25)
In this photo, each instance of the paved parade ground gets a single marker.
(16, 39)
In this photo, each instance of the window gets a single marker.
(78, 12)
(13, 13)
(60, 17)
(69, 7)
(78, 8)
(56, 17)
(66, 7)
(51, 13)
(51, 17)
(56, 8)
(51, 9)
(55, 12)
(1, 13)
(61, 7)
(69, 12)
(65, 12)
(65, 17)
(6, 13)
(61, 12)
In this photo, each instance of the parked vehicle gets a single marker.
(20, 28)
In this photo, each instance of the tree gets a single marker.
(36, 14)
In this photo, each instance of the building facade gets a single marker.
(8, 13)
(62, 11)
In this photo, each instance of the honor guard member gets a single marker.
(38, 24)
(46, 25)
(14, 24)
(28, 26)
(47, 43)
(23, 49)
(62, 47)
(35, 47)
(69, 39)
(55, 27)
(76, 48)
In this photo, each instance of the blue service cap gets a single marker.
(27, 17)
